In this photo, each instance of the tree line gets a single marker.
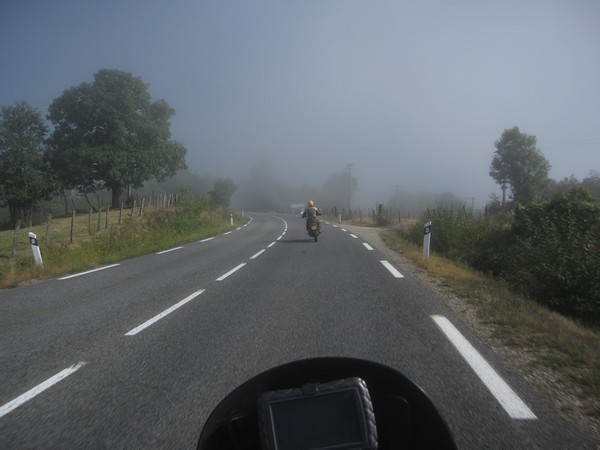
(107, 134)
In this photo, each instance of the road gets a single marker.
(138, 354)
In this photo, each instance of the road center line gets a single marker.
(368, 247)
(235, 269)
(344, 230)
(510, 401)
(8, 407)
(88, 272)
(167, 311)
(258, 254)
(392, 269)
(354, 236)
(271, 244)
(167, 251)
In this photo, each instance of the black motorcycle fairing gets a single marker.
(405, 416)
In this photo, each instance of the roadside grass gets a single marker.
(91, 247)
(552, 342)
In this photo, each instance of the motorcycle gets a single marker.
(313, 228)
(326, 403)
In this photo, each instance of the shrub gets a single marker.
(557, 252)
(548, 249)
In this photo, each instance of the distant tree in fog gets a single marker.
(336, 189)
(222, 192)
(592, 182)
(519, 166)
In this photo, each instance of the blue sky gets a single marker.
(413, 94)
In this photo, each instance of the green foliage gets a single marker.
(24, 176)
(456, 233)
(518, 164)
(548, 249)
(109, 134)
(222, 192)
(558, 257)
(194, 218)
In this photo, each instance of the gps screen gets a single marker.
(317, 421)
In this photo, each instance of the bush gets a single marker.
(557, 252)
(548, 249)
(458, 235)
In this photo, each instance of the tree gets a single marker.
(23, 173)
(110, 134)
(262, 191)
(222, 192)
(592, 182)
(337, 189)
(519, 165)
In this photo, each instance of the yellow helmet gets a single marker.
(311, 203)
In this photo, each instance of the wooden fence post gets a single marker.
(99, 215)
(47, 235)
(120, 213)
(72, 227)
(16, 238)
(106, 218)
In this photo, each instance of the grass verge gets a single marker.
(567, 353)
(135, 236)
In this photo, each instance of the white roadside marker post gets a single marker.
(35, 248)
(426, 240)
(231, 218)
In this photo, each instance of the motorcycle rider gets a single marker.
(311, 212)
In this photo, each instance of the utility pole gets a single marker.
(396, 200)
(349, 167)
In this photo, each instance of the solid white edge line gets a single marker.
(258, 254)
(238, 229)
(354, 236)
(167, 251)
(271, 244)
(88, 272)
(368, 247)
(8, 407)
(512, 404)
(392, 269)
(229, 232)
(207, 239)
(235, 269)
(167, 311)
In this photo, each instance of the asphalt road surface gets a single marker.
(138, 354)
